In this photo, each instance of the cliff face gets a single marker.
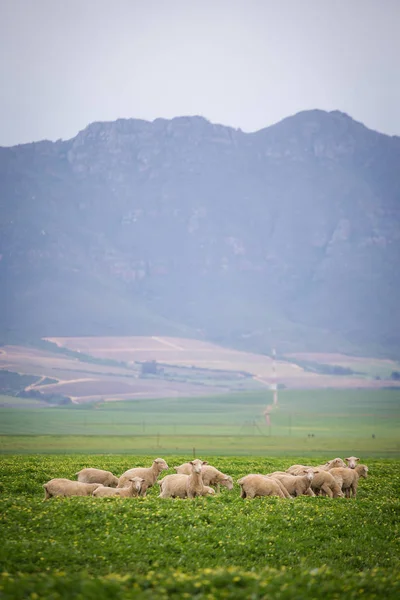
(288, 236)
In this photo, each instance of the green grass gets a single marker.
(217, 547)
(339, 421)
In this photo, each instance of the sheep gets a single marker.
(66, 487)
(308, 492)
(331, 464)
(296, 485)
(149, 475)
(176, 486)
(259, 485)
(211, 475)
(195, 485)
(351, 462)
(323, 482)
(132, 490)
(348, 478)
(97, 476)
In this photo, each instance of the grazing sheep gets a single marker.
(65, 487)
(351, 462)
(97, 476)
(211, 475)
(132, 490)
(325, 484)
(296, 485)
(308, 492)
(348, 478)
(176, 486)
(259, 485)
(149, 475)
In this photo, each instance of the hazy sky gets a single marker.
(244, 63)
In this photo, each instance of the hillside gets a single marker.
(288, 236)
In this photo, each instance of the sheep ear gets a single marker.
(205, 462)
(191, 462)
(176, 469)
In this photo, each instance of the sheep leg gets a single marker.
(354, 489)
(327, 490)
(309, 492)
(46, 494)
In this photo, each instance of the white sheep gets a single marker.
(195, 485)
(97, 476)
(259, 485)
(331, 464)
(351, 462)
(132, 490)
(348, 478)
(308, 492)
(296, 485)
(211, 475)
(176, 486)
(66, 487)
(149, 474)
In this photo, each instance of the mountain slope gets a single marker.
(288, 236)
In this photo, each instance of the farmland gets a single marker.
(89, 369)
(218, 547)
(308, 422)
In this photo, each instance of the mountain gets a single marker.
(289, 236)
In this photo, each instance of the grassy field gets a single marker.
(217, 547)
(307, 422)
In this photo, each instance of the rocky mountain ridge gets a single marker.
(289, 236)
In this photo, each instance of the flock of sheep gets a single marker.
(196, 478)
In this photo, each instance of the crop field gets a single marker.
(375, 367)
(216, 547)
(317, 422)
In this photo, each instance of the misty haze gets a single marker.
(199, 308)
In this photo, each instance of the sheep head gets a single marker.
(160, 464)
(227, 482)
(362, 471)
(351, 461)
(310, 474)
(137, 482)
(197, 464)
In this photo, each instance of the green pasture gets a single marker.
(310, 422)
(207, 548)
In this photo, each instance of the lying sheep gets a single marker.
(132, 490)
(211, 475)
(348, 478)
(331, 464)
(296, 485)
(259, 485)
(176, 486)
(149, 475)
(97, 476)
(351, 462)
(65, 487)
